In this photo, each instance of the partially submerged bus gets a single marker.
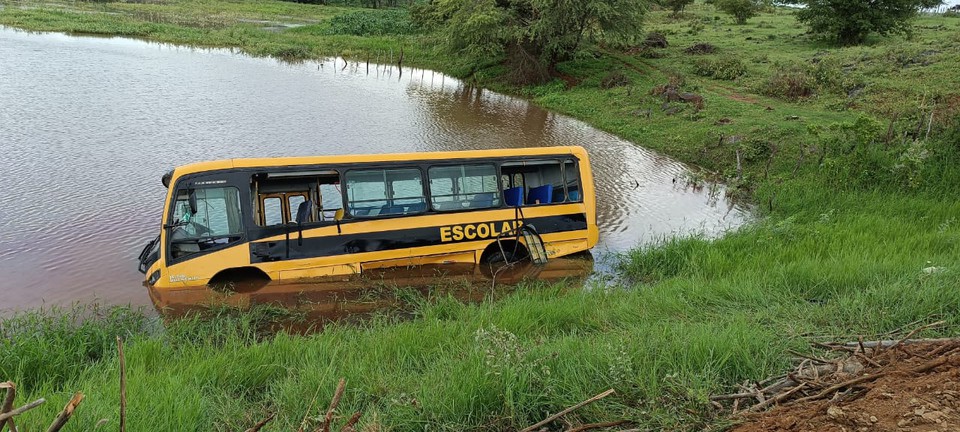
(309, 217)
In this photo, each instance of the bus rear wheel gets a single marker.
(512, 251)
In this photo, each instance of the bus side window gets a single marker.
(542, 180)
(331, 200)
(461, 187)
(385, 192)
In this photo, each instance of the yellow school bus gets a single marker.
(307, 217)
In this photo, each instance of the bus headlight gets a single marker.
(154, 277)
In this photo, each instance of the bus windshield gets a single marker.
(216, 222)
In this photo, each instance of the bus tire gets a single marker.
(238, 278)
(514, 251)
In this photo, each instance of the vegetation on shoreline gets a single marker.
(851, 155)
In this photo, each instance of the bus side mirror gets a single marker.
(193, 201)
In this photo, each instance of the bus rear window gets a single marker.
(389, 192)
(464, 187)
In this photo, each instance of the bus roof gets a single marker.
(364, 158)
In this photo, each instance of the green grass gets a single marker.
(852, 205)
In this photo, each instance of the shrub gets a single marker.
(372, 23)
(614, 79)
(675, 6)
(655, 40)
(741, 10)
(700, 48)
(790, 83)
(725, 68)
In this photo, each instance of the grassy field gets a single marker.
(858, 234)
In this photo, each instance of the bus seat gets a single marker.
(574, 195)
(391, 209)
(482, 200)
(416, 208)
(448, 205)
(513, 196)
(543, 194)
(558, 195)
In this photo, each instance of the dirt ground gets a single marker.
(917, 389)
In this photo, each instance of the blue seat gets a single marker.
(541, 194)
(574, 195)
(513, 196)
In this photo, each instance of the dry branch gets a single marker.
(348, 427)
(917, 330)
(568, 410)
(64, 415)
(123, 386)
(8, 404)
(261, 423)
(888, 343)
(590, 426)
(15, 412)
(325, 427)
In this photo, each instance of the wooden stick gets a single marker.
(64, 415)
(889, 343)
(590, 426)
(333, 404)
(733, 396)
(777, 399)
(350, 423)
(916, 330)
(21, 410)
(568, 410)
(8, 404)
(123, 386)
(261, 423)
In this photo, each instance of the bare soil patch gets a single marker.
(907, 387)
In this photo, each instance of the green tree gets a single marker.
(848, 22)
(531, 36)
(741, 10)
(676, 6)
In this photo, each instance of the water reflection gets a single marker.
(315, 302)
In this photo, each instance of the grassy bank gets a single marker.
(859, 234)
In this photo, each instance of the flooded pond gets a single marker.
(88, 126)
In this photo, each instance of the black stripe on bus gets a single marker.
(343, 244)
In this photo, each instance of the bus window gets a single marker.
(272, 211)
(293, 205)
(331, 200)
(385, 192)
(542, 182)
(464, 187)
(571, 177)
(216, 222)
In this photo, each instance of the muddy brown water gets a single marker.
(88, 125)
